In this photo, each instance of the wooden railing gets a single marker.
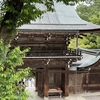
(87, 87)
(68, 52)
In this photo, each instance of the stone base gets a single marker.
(66, 98)
(46, 98)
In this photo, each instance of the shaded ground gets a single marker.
(95, 95)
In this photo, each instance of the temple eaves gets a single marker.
(91, 57)
(64, 18)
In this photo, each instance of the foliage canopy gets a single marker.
(89, 13)
(10, 75)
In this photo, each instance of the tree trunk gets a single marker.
(9, 22)
(7, 35)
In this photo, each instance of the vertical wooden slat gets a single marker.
(87, 80)
(46, 81)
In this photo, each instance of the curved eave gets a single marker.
(91, 62)
(91, 59)
(90, 31)
(81, 28)
(87, 66)
(64, 19)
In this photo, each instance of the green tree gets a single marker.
(86, 12)
(10, 75)
(90, 13)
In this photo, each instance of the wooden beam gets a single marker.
(46, 81)
(56, 71)
(66, 80)
(36, 81)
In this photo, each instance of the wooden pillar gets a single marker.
(36, 81)
(77, 40)
(66, 80)
(46, 81)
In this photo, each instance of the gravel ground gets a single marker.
(82, 96)
(95, 97)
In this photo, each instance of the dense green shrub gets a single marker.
(10, 75)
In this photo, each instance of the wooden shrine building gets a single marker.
(89, 70)
(48, 39)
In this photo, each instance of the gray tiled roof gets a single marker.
(64, 18)
(90, 57)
